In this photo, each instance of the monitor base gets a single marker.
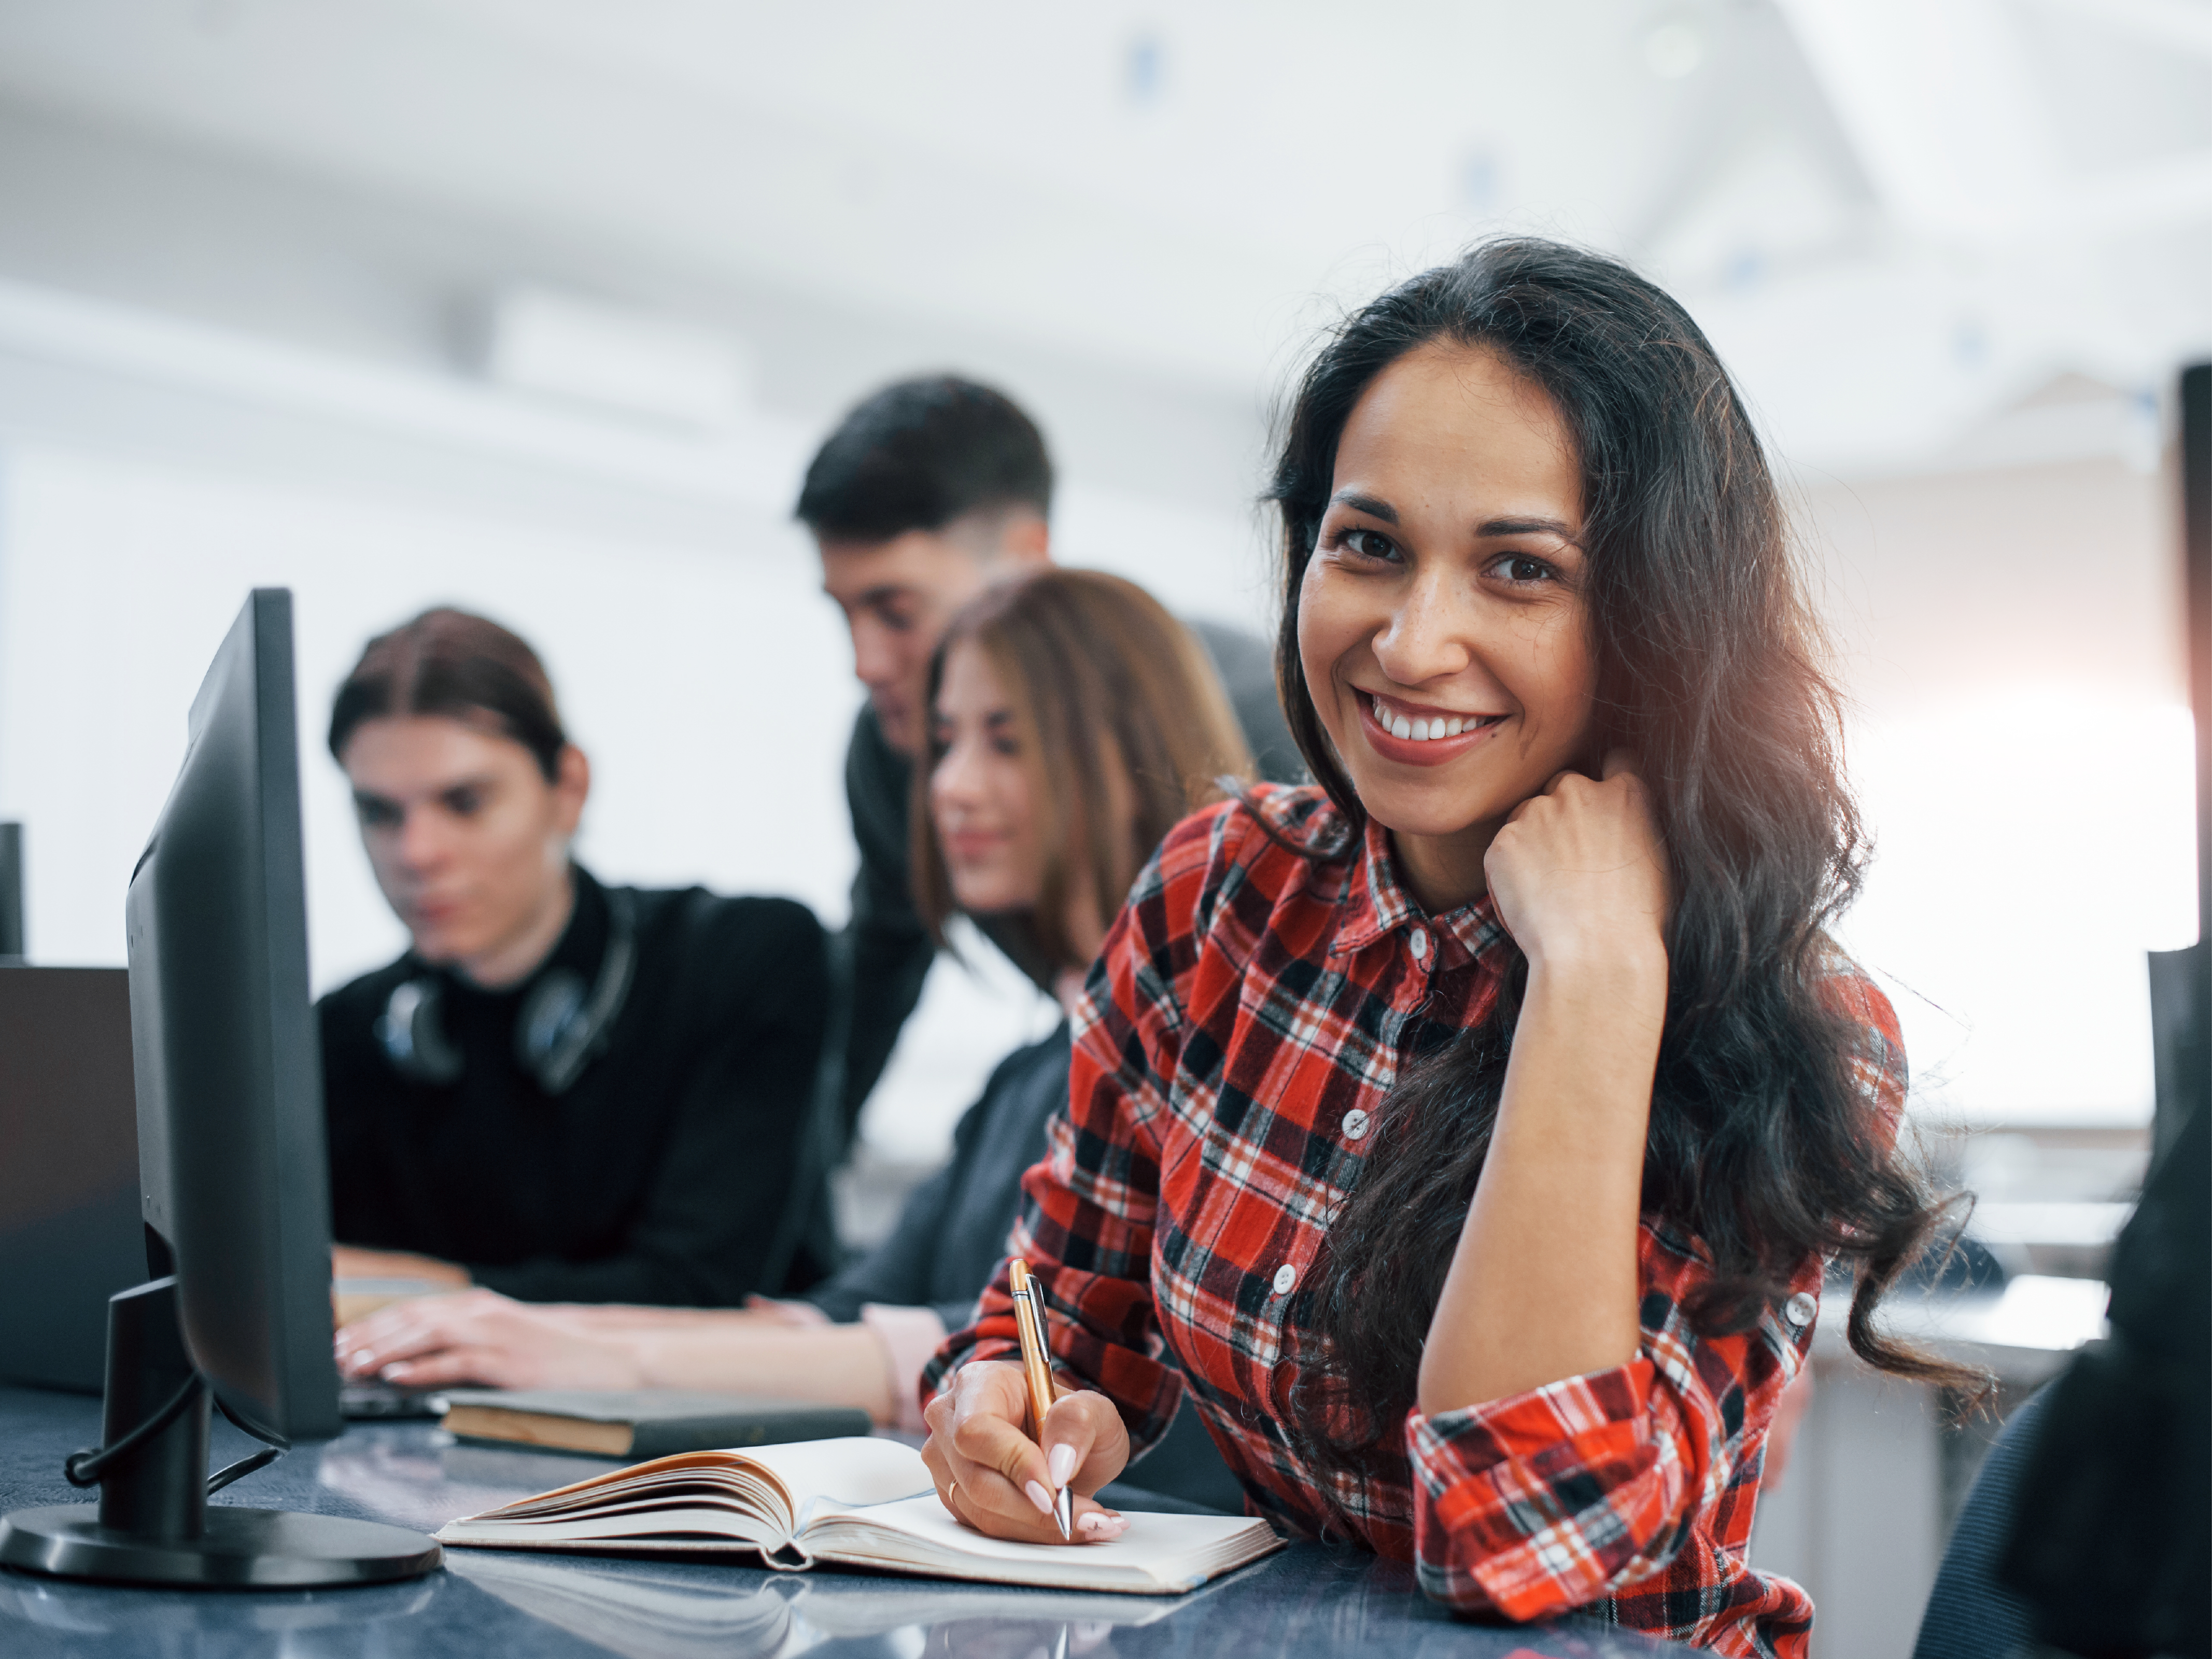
(240, 1549)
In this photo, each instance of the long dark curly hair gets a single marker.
(1761, 1148)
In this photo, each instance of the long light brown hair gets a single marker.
(1124, 729)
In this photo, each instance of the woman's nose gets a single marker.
(422, 840)
(1427, 635)
(954, 780)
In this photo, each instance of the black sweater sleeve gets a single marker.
(952, 1230)
(724, 1211)
(886, 950)
(897, 1270)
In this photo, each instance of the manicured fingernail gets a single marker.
(1062, 1464)
(1039, 1496)
(1096, 1525)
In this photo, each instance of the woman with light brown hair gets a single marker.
(1072, 721)
(1115, 720)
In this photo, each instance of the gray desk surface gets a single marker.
(1305, 1601)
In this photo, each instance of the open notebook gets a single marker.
(859, 1503)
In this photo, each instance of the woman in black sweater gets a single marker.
(562, 1091)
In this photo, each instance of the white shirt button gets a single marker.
(1800, 1309)
(1420, 945)
(1355, 1124)
(1285, 1276)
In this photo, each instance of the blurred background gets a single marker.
(540, 305)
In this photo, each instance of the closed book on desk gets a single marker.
(642, 1423)
(858, 1502)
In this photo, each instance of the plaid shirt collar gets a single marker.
(1377, 904)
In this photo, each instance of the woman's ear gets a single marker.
(572, 788)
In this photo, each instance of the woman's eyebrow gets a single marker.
(1373, 506)
(1565, 531)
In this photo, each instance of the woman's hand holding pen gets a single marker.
(997, 1480)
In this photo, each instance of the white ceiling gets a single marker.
(1897, 217)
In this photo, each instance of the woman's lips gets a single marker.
(1422, 751)
(967, 846)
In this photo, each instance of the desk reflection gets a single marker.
(298, 1624)
(682, 1610)
(424, 1480)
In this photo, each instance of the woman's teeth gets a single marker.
(1424, 731)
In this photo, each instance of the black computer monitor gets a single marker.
(233, 1176)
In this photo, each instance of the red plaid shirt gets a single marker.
(1249, 1013)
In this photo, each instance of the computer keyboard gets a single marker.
(370, 1399)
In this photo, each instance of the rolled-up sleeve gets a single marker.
(1631, 1481)
(1537, 1503)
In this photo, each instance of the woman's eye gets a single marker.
(1367, 543)
(1519, 569)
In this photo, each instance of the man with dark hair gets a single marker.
(926, 491)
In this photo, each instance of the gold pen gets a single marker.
(1036, 1372)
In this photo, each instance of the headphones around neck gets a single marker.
(559, 1030)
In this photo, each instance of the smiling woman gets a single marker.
(1441, 627)
(1469, 1134)
(1075, 721)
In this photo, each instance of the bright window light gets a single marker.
(2030, 848)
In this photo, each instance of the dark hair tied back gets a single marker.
(451, 663)
(1761, 1149)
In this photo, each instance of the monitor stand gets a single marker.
(154, 1525)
